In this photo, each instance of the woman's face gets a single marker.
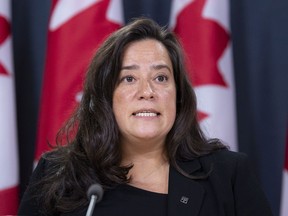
(144, 100)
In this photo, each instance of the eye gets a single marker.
(127, 79)
(161, 78)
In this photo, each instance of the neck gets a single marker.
(138, 155)
(134, 149)
(150, 168)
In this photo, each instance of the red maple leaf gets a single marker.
(204, 42)
(3, 71)
(4, 33)
(201, 115)
(70, 49)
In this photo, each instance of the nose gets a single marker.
(146, 91)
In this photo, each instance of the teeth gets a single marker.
(146, 114)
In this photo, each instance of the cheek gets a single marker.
(116, 102)
(117, 106)
(118, 98)
(123, 95)
(120, 102)
(169, 98)
(118, 109)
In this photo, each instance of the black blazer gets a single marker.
(231, 189)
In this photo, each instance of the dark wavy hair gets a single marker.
(92, 153)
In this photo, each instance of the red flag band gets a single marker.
(76, 28)
(203, 29)
(9, 178)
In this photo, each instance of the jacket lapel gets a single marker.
(185, 195)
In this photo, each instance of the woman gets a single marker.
(136, 133)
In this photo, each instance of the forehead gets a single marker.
(145, 50)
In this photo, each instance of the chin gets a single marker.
(149, 135)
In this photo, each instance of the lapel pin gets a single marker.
(184, 200)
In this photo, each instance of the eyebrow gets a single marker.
(156, 67)
(130, 67)
(161, 66)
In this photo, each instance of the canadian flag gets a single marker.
(284, 200)
(203, 29)
(76, 29)
(9, 178)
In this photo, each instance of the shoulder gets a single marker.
(225, 163)
(229, 168)
(222, 163)
(51, 162)
(228, 179)
(224, 157)
(232, 173)
(42, 178)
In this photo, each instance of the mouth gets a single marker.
(146, 113)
